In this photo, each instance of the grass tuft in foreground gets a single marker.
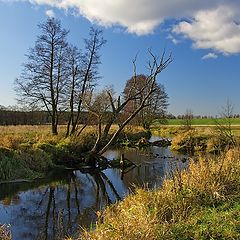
(202, 202)
(5, 234)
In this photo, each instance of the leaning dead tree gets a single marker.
(114, 106)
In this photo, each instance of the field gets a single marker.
(205, 126)
(204, 121)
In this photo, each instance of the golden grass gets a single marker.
(13, 137)
(4, 232)
(154, 214)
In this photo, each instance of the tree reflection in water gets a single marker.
(60, 208)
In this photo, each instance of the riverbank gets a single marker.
(196, 139)
(199, 203)
(30, 152)
(202, 202)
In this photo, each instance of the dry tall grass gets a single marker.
(5, 234)
(197, 203)
(13, 137)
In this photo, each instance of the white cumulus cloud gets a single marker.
(210, 24)
(173, 39)
(50, 13)
(216, 29)
(210, 56)
(137, 16)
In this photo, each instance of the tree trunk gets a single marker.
(54, 126)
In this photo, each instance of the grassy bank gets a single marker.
(209, 139)
(193, 141)
(202, 202)
(31, 151)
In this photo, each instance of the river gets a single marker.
(69, 200)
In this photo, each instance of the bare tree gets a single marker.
(87, 74)
(72, 86)
(224, 124)
(157, 103)
(187, 119)
(99, 108)
(44, 74)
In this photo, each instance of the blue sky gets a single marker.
(204, 40)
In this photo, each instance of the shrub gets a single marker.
(45, 146)
(7, 167)
(217, 144)
(12, 141)
(189, 141)
(31, 163)
(35, 159)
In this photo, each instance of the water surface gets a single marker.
(47, 208)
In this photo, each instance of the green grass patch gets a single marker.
(196, 121)
(222, 222)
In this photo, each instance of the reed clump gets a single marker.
(202, 202)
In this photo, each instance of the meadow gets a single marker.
(202, 121)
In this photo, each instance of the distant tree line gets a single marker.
(183, 116)
(14, 115)
(21, 117)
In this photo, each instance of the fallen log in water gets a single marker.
(164, 142)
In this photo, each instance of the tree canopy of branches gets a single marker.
(44, 74)
(156, 104)
(187, 119)
(61, 78)
(83, 75)
(115, 106)
(224, 124)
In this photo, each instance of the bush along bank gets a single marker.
(193, 141)
(23, 164)
(202, 202)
